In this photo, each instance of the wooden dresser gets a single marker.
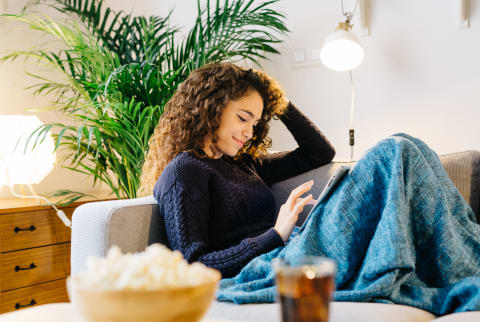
(35, 255)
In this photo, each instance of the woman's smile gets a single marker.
(240, 143)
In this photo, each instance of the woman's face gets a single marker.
(236, 125)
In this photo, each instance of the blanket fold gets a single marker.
(398, 229)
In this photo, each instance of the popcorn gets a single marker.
(157, 267)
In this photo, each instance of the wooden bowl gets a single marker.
(179, 304)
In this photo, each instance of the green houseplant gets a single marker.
(119, 70)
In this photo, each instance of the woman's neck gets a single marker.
(211, 150)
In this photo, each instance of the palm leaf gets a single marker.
(118, 71)
(232, 33)
(135, 38)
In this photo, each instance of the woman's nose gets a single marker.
(248, 132)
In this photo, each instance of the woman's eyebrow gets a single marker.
(249, 113)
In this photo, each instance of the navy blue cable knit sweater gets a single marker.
(220, 211)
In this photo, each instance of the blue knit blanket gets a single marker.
(398, 229)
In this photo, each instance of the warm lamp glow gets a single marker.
(20, 165)
(341, 51)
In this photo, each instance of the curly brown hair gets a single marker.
(195, 110)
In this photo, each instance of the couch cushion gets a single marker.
(339, 312)
(464, 170)
(281, 190)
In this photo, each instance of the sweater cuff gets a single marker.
(269, 240)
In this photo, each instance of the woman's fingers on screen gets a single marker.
(303, 186)
(301, 189)
(308, 183)
(307, 199)
(301, 203)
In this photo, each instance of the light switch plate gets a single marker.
(307, 57)
(299, 56)
(315, 54)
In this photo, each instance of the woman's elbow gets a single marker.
(324, 157)
(331, 154)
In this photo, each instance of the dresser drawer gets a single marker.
(51, 292)
(32, 266)
(32, 229)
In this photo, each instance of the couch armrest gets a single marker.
(131, 224)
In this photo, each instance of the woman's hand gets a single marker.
(288, 214)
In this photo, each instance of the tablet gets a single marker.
(331, 185)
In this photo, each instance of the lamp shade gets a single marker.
(17, 164)
(341, 51)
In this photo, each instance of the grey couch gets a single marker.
(133, 224)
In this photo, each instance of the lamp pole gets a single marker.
(351, 131)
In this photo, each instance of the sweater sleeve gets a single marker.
(185, 209)
(313, 150)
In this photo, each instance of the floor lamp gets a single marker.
(342, 51)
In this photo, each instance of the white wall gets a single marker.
(419, 76)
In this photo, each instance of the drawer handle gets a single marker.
(18, 305)
(18, 268)
(31, 228)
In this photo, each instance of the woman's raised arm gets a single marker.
(313, 150)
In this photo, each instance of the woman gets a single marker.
(210, 149)
(396, 226)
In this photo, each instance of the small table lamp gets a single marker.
(22, 165)
(342, 51)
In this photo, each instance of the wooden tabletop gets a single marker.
(10, 205)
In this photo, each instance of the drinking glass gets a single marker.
(304, 288)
